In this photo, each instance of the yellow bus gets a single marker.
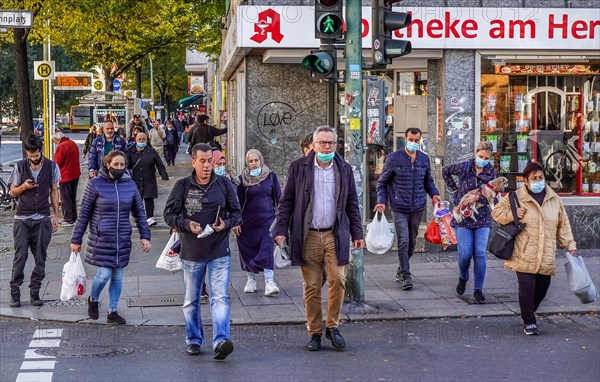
(81, 118)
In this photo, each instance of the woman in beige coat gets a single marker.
(534, 256)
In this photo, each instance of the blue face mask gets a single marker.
(326, 157)
(220, 170)
(256, 171)
(481, 162)
(141, 145)
(537, 187)
(412, 146)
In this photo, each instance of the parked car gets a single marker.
(38, 127)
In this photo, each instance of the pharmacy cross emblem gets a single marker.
(268, 23)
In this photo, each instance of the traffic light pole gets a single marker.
(355, 283)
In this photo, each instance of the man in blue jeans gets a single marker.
(406, 181)
(197, 205)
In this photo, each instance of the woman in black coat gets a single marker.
(143, 160)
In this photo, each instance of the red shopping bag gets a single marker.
(433, 233)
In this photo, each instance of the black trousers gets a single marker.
(68, 196)
(532, 291)
(34, 235)
(149, 204)
(170, 153)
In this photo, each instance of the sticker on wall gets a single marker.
(354, 123)
(374, 134)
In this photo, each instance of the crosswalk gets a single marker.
(37, 367)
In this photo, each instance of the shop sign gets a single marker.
(435, 28)
(537, 69)
(196, 84)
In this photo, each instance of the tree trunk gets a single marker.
(138, 80)
(25, 113)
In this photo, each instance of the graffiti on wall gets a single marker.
(585, 221)
(273, 116)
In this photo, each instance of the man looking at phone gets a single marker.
(34, 181)
(195, 202)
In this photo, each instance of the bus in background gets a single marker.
(81, 118)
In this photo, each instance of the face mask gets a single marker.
(256, 172)
(117, 174)
(141, 145)
(537, 187)
(326, 157)
(481, 162)
(412, 146)
(220, 170)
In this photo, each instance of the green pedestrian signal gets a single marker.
(328, 20)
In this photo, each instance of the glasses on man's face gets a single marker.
(326, 143)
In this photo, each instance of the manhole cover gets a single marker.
(77, 301)
(492, 298)
(175, 300)
(84, 351)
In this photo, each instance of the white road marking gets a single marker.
(38, 365)
(44, 343)
(35, 377)
(31, 354)
(48, 333)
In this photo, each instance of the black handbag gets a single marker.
(503, 240)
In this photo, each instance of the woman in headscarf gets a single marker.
(258, 193)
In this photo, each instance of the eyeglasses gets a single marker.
(326, 143)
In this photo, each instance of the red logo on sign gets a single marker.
(268, 22)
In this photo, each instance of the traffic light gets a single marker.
(385, 22)
(328, 19)
(322, 63)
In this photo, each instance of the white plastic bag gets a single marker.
(169, 260)
(281, 257)
(380, 234)
(73, 278)
(579, 279)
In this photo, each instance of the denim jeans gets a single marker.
(407, 229)
(472, 243)
(218, 282)
(115, 275)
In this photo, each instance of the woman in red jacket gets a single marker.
(67, 158)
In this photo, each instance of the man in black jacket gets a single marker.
(203, 208)
(202, 132)
(319, 212)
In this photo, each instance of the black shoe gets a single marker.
(92, 308)
(34, 298)
(336, 338)
(399, 277)
(479, 297)
(114, 318)
(204, 297)
(15, 301)
(223, 349)
(315, 343)
(407, 283)
(194, 349)
(460, 287)
(531, 330)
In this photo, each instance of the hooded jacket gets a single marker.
(97, 150)
(106, 206)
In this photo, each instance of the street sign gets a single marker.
(116, 85)
(43, 70)
(98, 85)
(130, 93)
(157, 107)
(16, 19)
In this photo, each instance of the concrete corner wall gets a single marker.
(283, 104)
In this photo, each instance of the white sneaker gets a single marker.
(151, 222)
(271, 288)
(250, 286)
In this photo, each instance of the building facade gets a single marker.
(524, 75)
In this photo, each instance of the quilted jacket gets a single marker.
(535, 246)
(106, 206)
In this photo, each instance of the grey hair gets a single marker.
(486, 146)
(58, 135)
(324, 129)
(258, 154)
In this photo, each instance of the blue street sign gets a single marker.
(116, 85)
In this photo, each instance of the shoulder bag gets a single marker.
(503, 240)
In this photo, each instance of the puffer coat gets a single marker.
(106, 206)
(535, 246)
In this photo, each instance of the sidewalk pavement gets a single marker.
(154, 297)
